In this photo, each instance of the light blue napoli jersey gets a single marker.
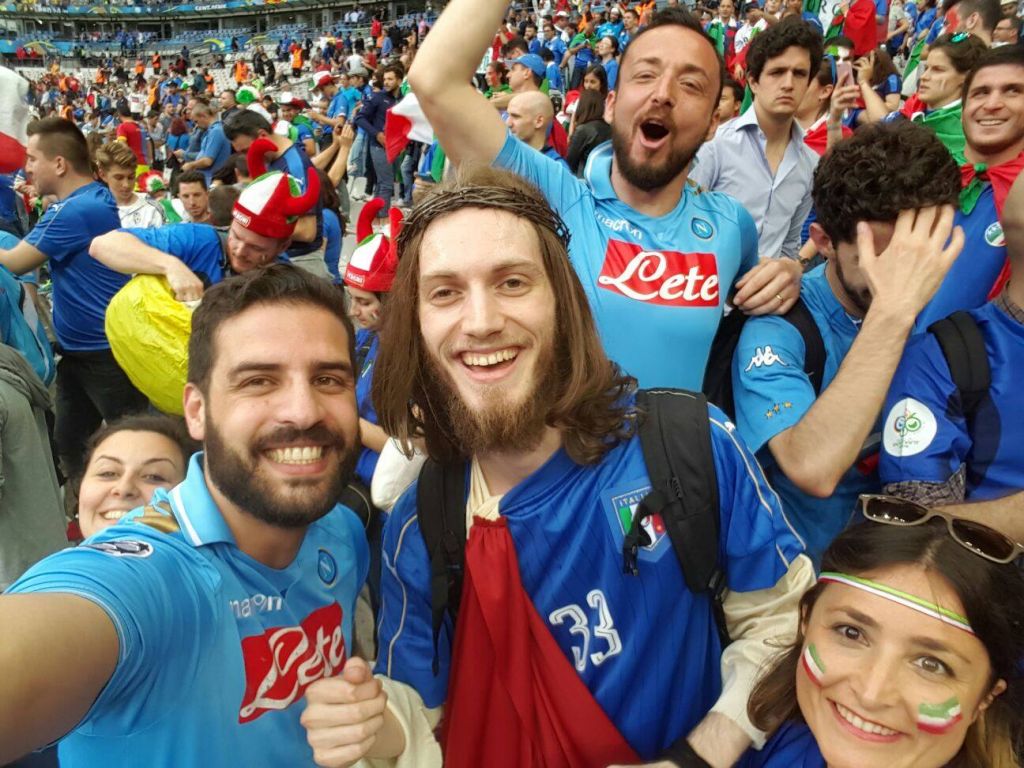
(646, 647)
(772, 393)
(216, 649)
(657, 286)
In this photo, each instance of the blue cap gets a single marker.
(533, 62)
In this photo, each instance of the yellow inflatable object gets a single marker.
(148, 330)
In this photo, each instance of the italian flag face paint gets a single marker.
(939, 718)
(812, 664)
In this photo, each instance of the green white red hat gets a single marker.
(375, 260)
(150, 182)
(272, 203)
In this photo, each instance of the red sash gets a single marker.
(514, 699)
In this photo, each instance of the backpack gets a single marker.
(675, 436)
(717, 385)
(23, 328)
(963, 347)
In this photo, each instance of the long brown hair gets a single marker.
(993, 600)
(590, 406)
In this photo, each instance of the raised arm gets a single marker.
(123, 252)
(43, 700)
(466, 124)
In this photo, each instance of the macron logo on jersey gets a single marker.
(282, 662)
(669, 278)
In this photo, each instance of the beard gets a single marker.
(284, 503)
(860, 298)
(500, 425)
(649, 176)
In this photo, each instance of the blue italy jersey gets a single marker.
(332, 244)
(198, 246)
(645, 646)
(302, 132)
(792, 746)
(656, 286)
(970, 279)
(216, 649)
(367, 343)
(338, 107)
(925, 437)
(772, 393)
(82, 287)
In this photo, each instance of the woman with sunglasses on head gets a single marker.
(908, 654)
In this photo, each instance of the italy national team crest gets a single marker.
(622, 507)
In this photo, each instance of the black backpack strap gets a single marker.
(675, 434)
(814, 357)
(963, 346)
(441, 509)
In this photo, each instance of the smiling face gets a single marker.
(783, 82)
(994, 111)
(664, 105)
(123, 472)
(876, 663)
(940, 83)
(487, 318)
(278, 420)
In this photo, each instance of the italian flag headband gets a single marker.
(903, 598)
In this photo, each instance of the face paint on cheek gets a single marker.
(812, 664)
(939, 718)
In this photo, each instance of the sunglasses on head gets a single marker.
(980, 539)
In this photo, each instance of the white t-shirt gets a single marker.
(141, 213)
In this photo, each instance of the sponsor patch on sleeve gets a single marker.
(909, 428)
(122, 548)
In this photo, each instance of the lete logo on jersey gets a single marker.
(668, 278)
(282, 662)
(909, 428)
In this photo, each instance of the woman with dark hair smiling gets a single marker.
(909, 651)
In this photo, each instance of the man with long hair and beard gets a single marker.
(658, 258)
(883, 229)
(194, 629)
(490, 354)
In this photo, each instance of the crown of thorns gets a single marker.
(526, 206)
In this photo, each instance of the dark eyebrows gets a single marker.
(320, 366)
(502, 266)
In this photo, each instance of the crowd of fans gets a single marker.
(659, 410)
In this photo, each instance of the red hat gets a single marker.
(375, 260)
(150, 182)
(272, 203)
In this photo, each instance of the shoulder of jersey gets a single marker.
(716, 203)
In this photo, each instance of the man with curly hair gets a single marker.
(883, 228)
(760, 158)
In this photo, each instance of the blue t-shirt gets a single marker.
(332, 243)
(302, 132)
(337, 108)
(216, 649)
(653, 661)
(82, 287)
(197, 245)
(925, 436)
(792, 746)
(370, 341)
(611, 68)
(558, 48)
(970, 279)
(772, 393)
(215, 145)
(353, 96)
(657, 286)
(554, 76)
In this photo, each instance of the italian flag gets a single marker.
(813, 666)
(403, 123)
(14, 117)
(939, 718)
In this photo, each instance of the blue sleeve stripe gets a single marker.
(393, 567)
(760, 482)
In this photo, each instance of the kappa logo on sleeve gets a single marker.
(909, 428)
(764, 356)
(122, 548)
(668, 278)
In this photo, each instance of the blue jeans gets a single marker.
(409, 166)
(385, 174)
(356, 156)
